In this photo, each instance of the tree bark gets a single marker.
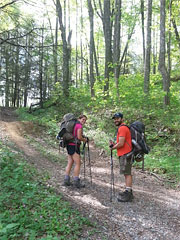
(66, 51)
(162, 67)
(91, 47)
(154, 48)
(176, 32)
(116, 44)
(41, 55)
(148, 49)
(169, 39)
(27, 71)
(7, 81)
(108, 46)
(17, 79)
(142, 27)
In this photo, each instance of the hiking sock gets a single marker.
(67, 177)
(76, 178)
(67, 180)
(129, 189)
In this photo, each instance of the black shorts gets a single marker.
(71, 149)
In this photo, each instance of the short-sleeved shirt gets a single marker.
(77, 126)
(123, 131)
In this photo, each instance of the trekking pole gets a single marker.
(112, 179)
(84, 160)
(89, 162)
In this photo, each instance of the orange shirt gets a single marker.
(124, 131)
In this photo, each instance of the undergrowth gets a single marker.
(31, 210)
(162, 122)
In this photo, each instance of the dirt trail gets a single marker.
(153, 214)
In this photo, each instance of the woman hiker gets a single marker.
(73, 150)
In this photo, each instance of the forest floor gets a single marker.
(154, 212)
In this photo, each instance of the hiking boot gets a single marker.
(124, 193)
(67, 182)
(77, 183)
(125, 196)
(121, 193)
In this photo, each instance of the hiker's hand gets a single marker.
(57, 137)
(111, 144)
(86, 139)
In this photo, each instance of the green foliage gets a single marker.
(161, 122)
(30, 210)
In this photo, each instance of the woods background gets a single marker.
(104, 49)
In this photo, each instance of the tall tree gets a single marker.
(76, 43)
(17, 77)
(142, 27)
(162, 53)
(107, 26)
(169, 38)
(116, 43)
(66, 51)
(148, 49)
(27, 70)
(41, 55)
(91, 47)
(176, 31)
(154, 47)
(7, 80)
(81, 44)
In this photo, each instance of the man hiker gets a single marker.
(73, 150)
(123, 146)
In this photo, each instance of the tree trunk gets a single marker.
(126, 46)
(55, 52)
(76, 44)
(69, 30)
(169, 39)
(91, 48)
(66, 51)
(7, 84)
(116, 44)
(162, 67)
(17, 80)
(142, 27)
(148, 49)
(27, 71)
(154, 35)
(41, 55)
(108, 47)
(176, 32)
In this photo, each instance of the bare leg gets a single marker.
(128, 180)
(69, 165)
(77, 159)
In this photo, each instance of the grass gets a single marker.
(31, 210)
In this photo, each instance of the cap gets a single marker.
(117, 115)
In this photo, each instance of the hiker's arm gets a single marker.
(80, 136)
(120, 143)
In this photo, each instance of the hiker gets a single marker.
(73, 150)
(123, 145)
